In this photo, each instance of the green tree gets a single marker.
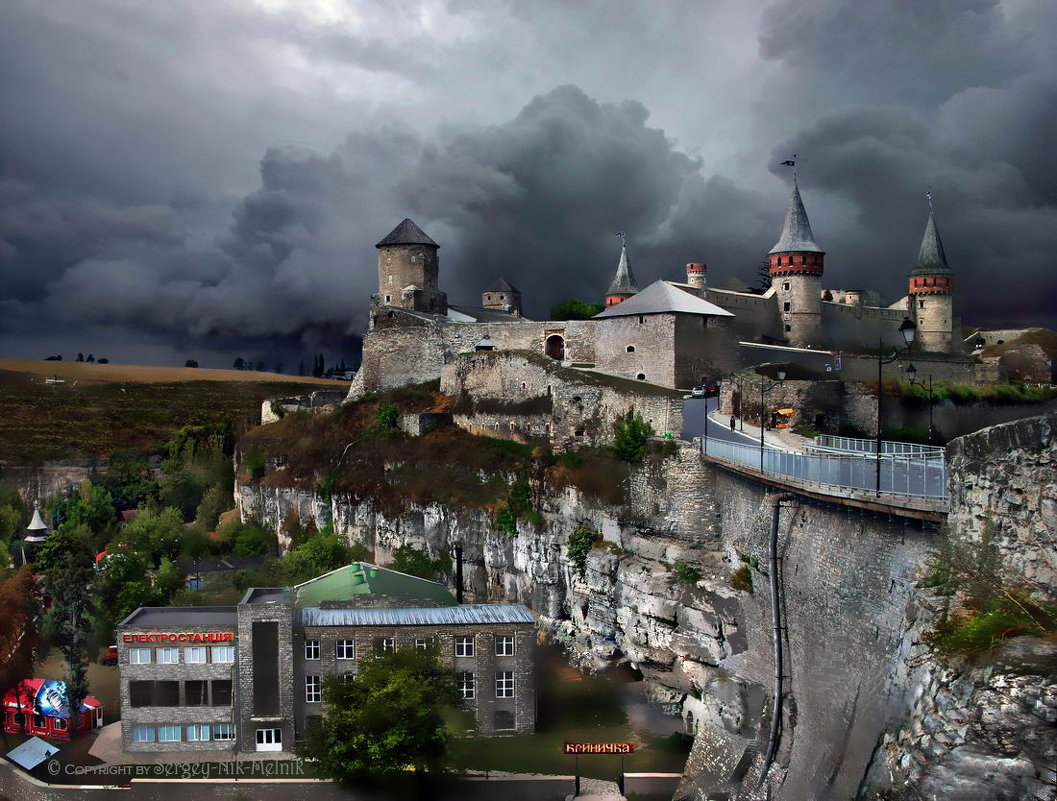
(190, 363)
(392, 715)
(238, 364)
(570, 309)
(91, 506)
(14, 515)
(67, 560)
(318, 555)
(409, 559)
(154, 534)
(631, 433)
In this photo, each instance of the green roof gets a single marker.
(362, 578)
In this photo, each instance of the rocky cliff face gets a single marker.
(860, 696)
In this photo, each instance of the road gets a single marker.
(15, 787)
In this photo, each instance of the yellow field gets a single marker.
(84, 373)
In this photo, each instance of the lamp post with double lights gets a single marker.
(766, 387)
(907, 329)
(912, 374)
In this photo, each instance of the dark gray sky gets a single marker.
(188, 179)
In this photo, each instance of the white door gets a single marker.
(269, 739)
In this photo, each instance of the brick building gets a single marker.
(249, 677)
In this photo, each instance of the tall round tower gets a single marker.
(796, 272)
(408, 268)
(931, 296)
(695, 276)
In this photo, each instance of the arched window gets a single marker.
(631, 348)
(641, 376)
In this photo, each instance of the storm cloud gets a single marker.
(180, 180)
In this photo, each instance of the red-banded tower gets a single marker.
(931, 296)
(796, 272)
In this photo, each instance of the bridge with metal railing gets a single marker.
(828, 443)
(913, 483)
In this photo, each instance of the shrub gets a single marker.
(741, 580)
(686, 573)
(580, 543)
(506, 520)
(415, 562)
(277, 409)
(254, 463)
(386, 417)
(631, 433)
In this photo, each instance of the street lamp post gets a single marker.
(907, 329)
(764, 388)
(741, 399)
(912, 373)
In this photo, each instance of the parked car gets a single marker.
(711, 389)
(698, 392)
(110, 657)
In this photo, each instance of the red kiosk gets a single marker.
(38, 707)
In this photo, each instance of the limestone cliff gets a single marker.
(858, 684)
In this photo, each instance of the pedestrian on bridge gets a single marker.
(732, 424)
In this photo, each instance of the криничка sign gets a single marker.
(599, 748)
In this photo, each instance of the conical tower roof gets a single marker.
(624, 280)
(407, 233)
(796, 232)
(36, 524)
(931, 258)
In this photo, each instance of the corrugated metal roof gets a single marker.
(661, 297)
(421, 616)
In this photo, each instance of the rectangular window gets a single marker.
(345, 649)
(221, 692)
(40, 722)
(143, 734)
(141, 693)
(384, 643)
(265, 655)
(348, 677)
(421, 644)
(504, 684)
(467, 686)
(166, 693)
(196, 693)
(464, 646)
(197, 734)
(223, 731)
(785, 286)
(58, 724)
(313, 690)
(139, 656)
(504, 645)
(504, 720)
(168, 656)
(168, 734)
(223, 654)
(311, 649)
(195, 655)
(785, 306)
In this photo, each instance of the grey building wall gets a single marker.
(484, 664)
(248, 722)
(181, 715)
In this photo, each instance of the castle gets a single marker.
(671, 333)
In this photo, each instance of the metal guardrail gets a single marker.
(910, 476)
(854, 445)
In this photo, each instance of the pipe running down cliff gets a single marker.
(776, 616)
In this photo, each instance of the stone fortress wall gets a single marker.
(523, 396)
(849, 595)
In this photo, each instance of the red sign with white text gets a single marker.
(180, 636)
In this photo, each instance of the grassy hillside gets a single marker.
(126, 406)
